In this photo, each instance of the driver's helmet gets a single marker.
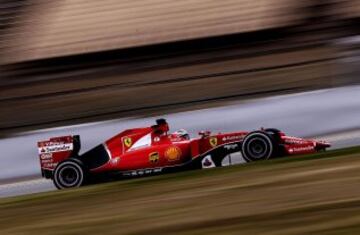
(182, 133)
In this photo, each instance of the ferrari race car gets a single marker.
(152, 150)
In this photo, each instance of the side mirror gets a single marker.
(204, 134)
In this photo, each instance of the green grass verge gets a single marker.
(313, 194)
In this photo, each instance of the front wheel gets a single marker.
(258, 146)
(69, 174)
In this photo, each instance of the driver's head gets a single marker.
(182, 133)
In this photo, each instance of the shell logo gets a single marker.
(173, 153)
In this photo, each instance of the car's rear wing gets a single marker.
(55, 150)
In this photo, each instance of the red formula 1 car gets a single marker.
(151, 150)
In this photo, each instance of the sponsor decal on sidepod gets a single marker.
(173, 153)
(207, 162)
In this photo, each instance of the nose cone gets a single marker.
(322, 145)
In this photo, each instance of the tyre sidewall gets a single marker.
(70, 164)
(266, 138)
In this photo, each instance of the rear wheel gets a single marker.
(257, 146)
(69, 174)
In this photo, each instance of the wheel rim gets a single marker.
(257, 148)
(69, 176)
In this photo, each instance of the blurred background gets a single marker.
(73, 61)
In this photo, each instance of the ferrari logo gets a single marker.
(154, 157)
(127, 142)
(213, 141)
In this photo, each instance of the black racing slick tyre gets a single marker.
(257, 146)
(69, 174)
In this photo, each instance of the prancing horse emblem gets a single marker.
(213, 141)
(127, 142)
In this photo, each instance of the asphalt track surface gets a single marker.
(332, 114)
